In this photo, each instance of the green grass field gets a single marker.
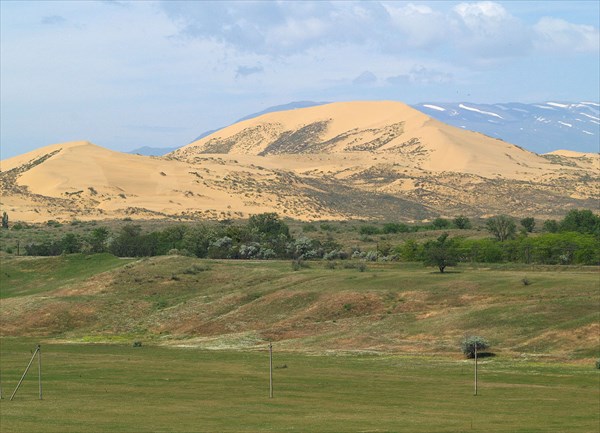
(355, 351)
(119, 388)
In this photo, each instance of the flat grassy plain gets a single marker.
(119, 388)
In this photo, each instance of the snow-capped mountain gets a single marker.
(540, 127)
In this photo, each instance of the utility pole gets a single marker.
(39, 351)
(475, 368)
(270, 370)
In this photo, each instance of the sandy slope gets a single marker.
(440, 147)
(336, 161)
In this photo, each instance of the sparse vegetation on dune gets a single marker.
(357, 160)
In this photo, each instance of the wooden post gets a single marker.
(270, 370)
(26, 370)
(475, 369)
(39, 351)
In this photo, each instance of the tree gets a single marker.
(128, 241)
(468, 345)
(98, 239)
(4, 220)
(197, 240)
(502, 227)
(440, 223)
(70, 243)
(269, 225)
(582, 221)
(551, 226)
(442, 252)
(461, 222)
(528, 224)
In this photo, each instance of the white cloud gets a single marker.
(417, 26)
(557, 35)
(489, 31)
(473, 32)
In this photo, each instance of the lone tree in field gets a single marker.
(502, 227)
(467, 346)
(441, 253)
(4, 220)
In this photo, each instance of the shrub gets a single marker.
(335, 254)
(526, 281)
(137, 344)
(395, 228)
(330, 264)
(441, 223)
(368, 230)
(461, 222)
(371, 256)
(598, 363)
(467, 346)
(196, 269)
(362, 266)
(299, 264)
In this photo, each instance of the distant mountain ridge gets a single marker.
(538, 127)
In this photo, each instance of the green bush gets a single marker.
(368, 230)
(467, 346)
(329, 264)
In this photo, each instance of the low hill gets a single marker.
(390, 307)
(356, 160)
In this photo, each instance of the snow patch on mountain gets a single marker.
(434, 107)
(489, 113)
(540, 127)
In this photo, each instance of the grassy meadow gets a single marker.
(119, 388)
(355, 349)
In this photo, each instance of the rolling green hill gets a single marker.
(389, 307)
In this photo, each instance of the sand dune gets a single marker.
(346, 160)
(388, 129)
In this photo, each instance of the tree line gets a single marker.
(572, 240)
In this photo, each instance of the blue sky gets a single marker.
(129, 74)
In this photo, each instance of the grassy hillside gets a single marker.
(390, 307)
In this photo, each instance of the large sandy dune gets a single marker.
(343, 160)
